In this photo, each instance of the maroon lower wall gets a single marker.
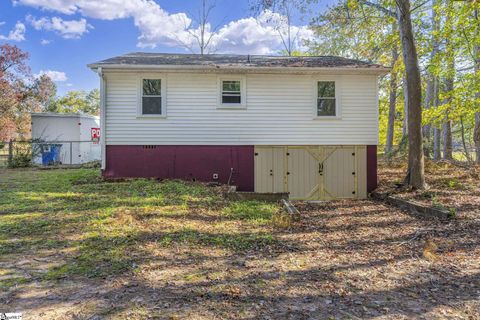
(198, 163)
(183, 162)
(372, 181)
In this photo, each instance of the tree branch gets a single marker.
(379, 7)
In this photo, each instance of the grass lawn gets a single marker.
(75, 247)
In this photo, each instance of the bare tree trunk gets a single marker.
(447, 140)
(415, 174)
(476, 131)
(437, 133)
(428, 102)
(464, 142)
(405, 108)
(476, 136)
(392, 104)
(449, 82)
(431, 92)
(437, 154)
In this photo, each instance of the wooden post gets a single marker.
(10, 152)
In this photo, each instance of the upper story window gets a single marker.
(232, 92)
(152, 96)
(326, 99)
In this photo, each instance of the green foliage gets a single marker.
(77, 102)
(447, 46)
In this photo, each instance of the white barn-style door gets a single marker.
(311, 172)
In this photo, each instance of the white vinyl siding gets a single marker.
(279, 112)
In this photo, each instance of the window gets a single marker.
(232, 92)
(326, 99)
(152, 97)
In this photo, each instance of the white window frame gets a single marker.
(243, 92)
(338, 109)
(152, 76)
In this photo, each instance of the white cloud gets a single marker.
(63, 6)
(57, 76)
(44, 42)
(68, 29)
(252, 35)
(16, 34)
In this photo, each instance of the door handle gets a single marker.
(271, 172)
(320, 168)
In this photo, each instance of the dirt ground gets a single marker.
(449, 186)
(343, 260)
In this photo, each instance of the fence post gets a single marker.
(10, 152)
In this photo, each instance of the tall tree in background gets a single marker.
(20, 93)
(76, 102)
(392, 104)
(281, 18)
(476, 61)
(449, 79)
(200, 30)
(433, 83)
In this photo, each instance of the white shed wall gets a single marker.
(72, 132)
(280, 111)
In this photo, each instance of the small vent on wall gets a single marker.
(149, 147)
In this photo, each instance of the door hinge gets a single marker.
(353, 153)
(353, 173)
(353, 192)
(256, 153)
(288, 153)
(288, 173)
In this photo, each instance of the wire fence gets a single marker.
(48, 153)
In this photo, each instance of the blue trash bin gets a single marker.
(51, 154)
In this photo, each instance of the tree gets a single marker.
(14, 92)
(392, 104)
(415, 175)
(200, 30)
(281, 18)
(77, 102)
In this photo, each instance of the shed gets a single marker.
(65, 138)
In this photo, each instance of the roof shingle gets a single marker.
(224, 60)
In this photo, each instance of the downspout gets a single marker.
(102, 117)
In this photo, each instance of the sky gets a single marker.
(63, 36)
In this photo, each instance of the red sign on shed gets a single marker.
(95, 133)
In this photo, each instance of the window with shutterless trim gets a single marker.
(152, 97)
(326, 99)
(231, 92)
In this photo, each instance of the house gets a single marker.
(65, 138)
(303, 125)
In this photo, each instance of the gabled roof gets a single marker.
(197, 61)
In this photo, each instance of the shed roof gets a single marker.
(63, 115)
(196, 61)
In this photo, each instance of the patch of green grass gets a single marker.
(8, 283)
(103, 228)
(254, 211)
